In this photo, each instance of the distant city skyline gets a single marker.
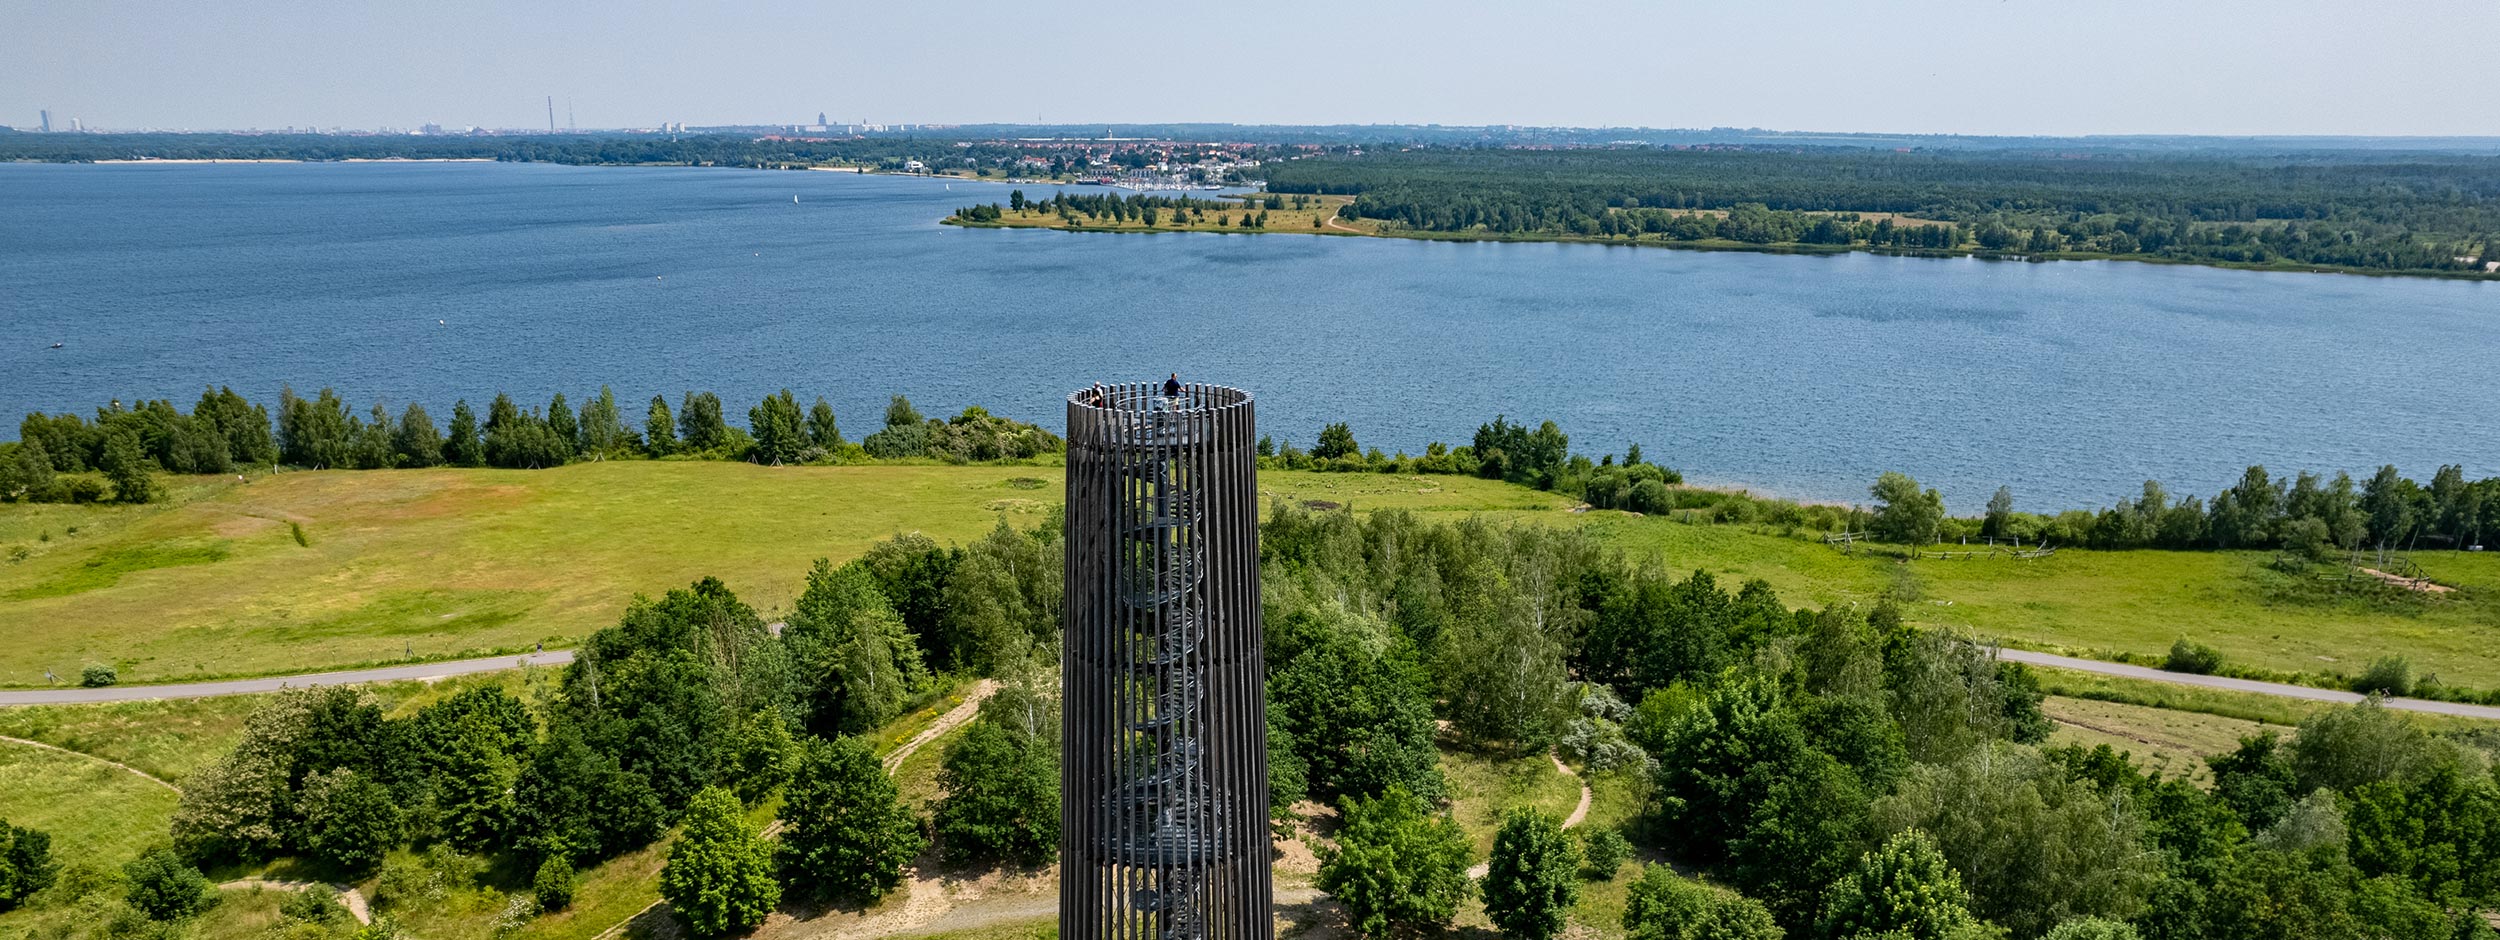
(1980, 67)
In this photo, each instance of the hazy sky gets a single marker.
(1965, 66)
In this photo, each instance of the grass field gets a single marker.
(96, 812)
(441, 563)
(2166, 741)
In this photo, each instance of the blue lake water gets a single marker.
(1804, 376)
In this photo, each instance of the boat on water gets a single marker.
(56, 345)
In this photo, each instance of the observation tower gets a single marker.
(1163, 790)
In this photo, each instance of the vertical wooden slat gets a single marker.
(1164, 786)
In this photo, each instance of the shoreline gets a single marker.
(1981, 254)
(1465, 237)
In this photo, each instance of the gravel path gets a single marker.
(2283, 690)
(142, 693)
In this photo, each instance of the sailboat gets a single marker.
(794, 200)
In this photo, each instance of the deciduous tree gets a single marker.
(719, 875)
(848, 833)
(1534, 876)
(1397, 866)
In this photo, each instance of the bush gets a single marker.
(81, 490)
(517, 913)
(1002, 796)
(98, 675)
(2387, 675)
(1397, 865)
(553, 885)
(2189, 656)
(2092, 928)
(1529, 888)
(1604, 849)
(316, 904)
(164, 887)
(1666, 906)
(25, 864)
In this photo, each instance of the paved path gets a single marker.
(138, 693)
(2281, 689)
(151, 778)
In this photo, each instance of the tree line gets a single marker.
(223, 432)
(1116, 210)
(2373, 211)
(2305, 514)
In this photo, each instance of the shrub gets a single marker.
(2387, 675)
(2092, 928)
(1397, 866)
(517, 913)
(1002, 796)
(2189, 656)
(164, 887)
(553, 885)
(98, 675)
(1666, 906)
(316, 904)
(1529, 888)
(81, 490)
(25, 864)
(1604, 849)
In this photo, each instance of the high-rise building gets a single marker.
(1163, 806)
(47, 121)
(820, 119)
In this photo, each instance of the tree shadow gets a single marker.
(657, 922)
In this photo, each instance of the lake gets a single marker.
(1804, 376)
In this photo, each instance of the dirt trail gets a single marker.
(953, 719)
(149, 777)
(926, 900)
(349, 897)
(2417, 584)
(1579, 814)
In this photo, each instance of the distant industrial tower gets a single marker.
(1163, 801)
(47, 120)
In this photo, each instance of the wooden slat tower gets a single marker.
(1164, 786)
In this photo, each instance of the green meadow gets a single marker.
(434, 564)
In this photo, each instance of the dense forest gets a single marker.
(1833, 773)
(2369, 211)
